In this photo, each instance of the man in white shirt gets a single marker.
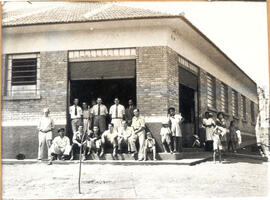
(99, 112)
(109, 137)
(127, 137)
(75, 112)
(45, 128)
(60, 146)
(117, 113)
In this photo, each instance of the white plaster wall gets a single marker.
(83, 39)
(189, 51)
(64, 37)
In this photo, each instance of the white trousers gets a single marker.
(44, 139)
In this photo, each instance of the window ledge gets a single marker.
(11, 98)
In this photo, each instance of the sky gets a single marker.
(239, 29)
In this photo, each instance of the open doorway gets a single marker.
(187, 109)
(107, 89)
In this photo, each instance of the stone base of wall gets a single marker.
(22, 139)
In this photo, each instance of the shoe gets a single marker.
(154, 159)
(166, 152)
(101, 154)
(50, 162)
(72, 158)
(84, 158)
(171, 152)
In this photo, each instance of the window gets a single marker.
(224, 98)
(234, 103)
(243, 107)
(211, 92)
(252, 113)
(24, 71)
(23, 77)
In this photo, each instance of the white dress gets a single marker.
(175, 125)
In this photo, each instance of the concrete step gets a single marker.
(126, 156)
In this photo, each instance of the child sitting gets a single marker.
(196, 142)
(149, 146)
(166, 134)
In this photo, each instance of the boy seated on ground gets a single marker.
(79, 141)
(166, 134)
(149, 146)
(60, 146)
(196, 142)
(94, 141)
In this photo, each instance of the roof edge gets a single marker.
(215, 46)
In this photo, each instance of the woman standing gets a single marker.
(209, 125)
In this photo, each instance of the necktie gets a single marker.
(75, 110)
(116, 111)
(98, 109)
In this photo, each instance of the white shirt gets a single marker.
(46, 123)
(164, 131)
(61, 142)
(103, 110)
(72, 112)
(117, 111)
(125, 132)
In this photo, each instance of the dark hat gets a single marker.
(20, 156)
(61, 129)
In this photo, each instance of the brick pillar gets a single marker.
(202, 94)
(152, 83)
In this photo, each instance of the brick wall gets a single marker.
(157, 85)
(247, 126)
(53, 91)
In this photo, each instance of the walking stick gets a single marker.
(80, 164)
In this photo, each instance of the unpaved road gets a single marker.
(233, 178)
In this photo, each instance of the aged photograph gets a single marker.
(120, 100)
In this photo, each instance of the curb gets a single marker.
(264, 159)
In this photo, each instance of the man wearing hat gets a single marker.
(60, 146)
(45, 128)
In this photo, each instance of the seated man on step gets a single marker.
(109, 137)
(60, 146)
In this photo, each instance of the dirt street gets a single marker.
(233, 178)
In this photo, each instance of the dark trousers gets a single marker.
(100, 122)
(208, 145)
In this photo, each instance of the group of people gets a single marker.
(218, 136)
(125, 129)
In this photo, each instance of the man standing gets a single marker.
(138, 125)
(175, 121)
(86, 117)
(117, 113)
(60, 146)
(45, 128)
(75, 112)
(109, 137)
(100, 112)
(129, 112)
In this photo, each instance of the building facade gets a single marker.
(158, 60)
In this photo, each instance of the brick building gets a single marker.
(54, 53)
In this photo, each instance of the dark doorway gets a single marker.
(187, 109)
(107, 89)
